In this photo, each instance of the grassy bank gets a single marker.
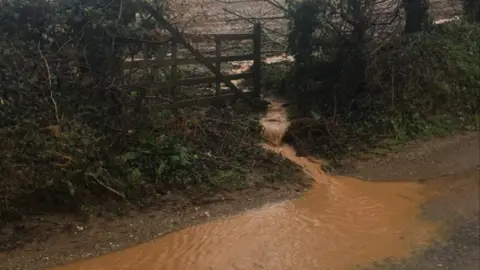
(412, 86)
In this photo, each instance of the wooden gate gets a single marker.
(213, 64)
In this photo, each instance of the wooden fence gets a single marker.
(174, 61)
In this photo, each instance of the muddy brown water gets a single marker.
(340, 223)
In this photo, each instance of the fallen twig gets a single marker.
(95, 177)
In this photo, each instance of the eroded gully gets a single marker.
(340, 223)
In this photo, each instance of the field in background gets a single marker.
(224, 16)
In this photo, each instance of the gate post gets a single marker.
(257, 59)
(218, 63)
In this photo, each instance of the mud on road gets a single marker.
(451, 167)
(450, 164)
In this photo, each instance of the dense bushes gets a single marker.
(71, 134)
(62, 112)
(356, 92)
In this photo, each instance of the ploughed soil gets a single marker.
(237, 16)
(221, 16)
(53, 240)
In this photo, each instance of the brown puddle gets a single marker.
(339, 223)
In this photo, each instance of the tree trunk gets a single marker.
(472, 10)
(415, 15)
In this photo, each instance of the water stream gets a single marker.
(340, 223)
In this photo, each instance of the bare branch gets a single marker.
(49, 77)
